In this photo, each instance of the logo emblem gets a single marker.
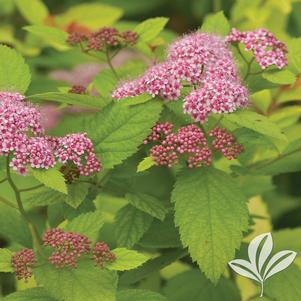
(261, 265)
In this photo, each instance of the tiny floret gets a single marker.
(102, 254)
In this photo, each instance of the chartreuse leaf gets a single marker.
(51, 36)
(192, 285)
(216, 23)
(294, 55)
(87, 224)
(255, 122)
(262, 99)
(86, 101)
(139, 295)
(76, 194)
(34, 11)
(211, 214)
(145, 164)
(147, 204)
(126, 260)
(14, 73)
(91, 15)
(32, 294)
(117, 131)
(51, 178)
(283, 77)
(86, 282)
(150, 28)
(5, 260)
(285, 285)
(130, 225)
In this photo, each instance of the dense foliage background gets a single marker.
(131, 203)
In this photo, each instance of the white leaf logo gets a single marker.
(260, 266)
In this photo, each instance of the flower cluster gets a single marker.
(201, 60)
(68, 247)
(225, 143)
(102, 39)
(267, 49)
(102, 254)
(22, 134)
(23, 262)
(77, 89)
(190, 144)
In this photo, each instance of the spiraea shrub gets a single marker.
(135, 163)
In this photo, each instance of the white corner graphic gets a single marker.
(261, 265)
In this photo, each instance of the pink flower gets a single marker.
(18, 118)
(68, 247)
(201, 60)
(23, 262)
(267, 49)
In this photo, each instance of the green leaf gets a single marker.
(126, 260)
(34, 11)
(13, 226)
(139, 295)
(285, 285)
(285, 239)
(283, 77)
(14, 73)
(153, 265)
(255, 122)
(130, 225)
(287, 161)
(294, 55)
(91, 15)
(87, 282)
(86, 101)
(216, 23)
(51, 178)
(289, 95)
(5, 260)
(87, 224)
(145, 164)
(211, 213)
(76, 194)
(32, 294)
(105, 82)
(50, 36)
(150, 28)
(147, 204)
(117, 131)
(192, 285)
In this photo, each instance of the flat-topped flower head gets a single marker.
(102, 254)
(68, 247)
(202, 61)
(23, 262)
(267, 49)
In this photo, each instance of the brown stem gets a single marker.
(110, 64)
(34, 233)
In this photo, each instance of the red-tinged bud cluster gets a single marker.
(225, 143)
(102, 254)
(191, 144)
(78, 89)
(75, 38)
(23, 262)
(188, 142)
(70, 173)
(68, 247)
(102, 39)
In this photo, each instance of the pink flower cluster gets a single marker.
(68, 247)
(102, 254)
(225, 143)
(22, 134)
(191, 144)
(23, 262)
(267, 49)
(202, 61)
